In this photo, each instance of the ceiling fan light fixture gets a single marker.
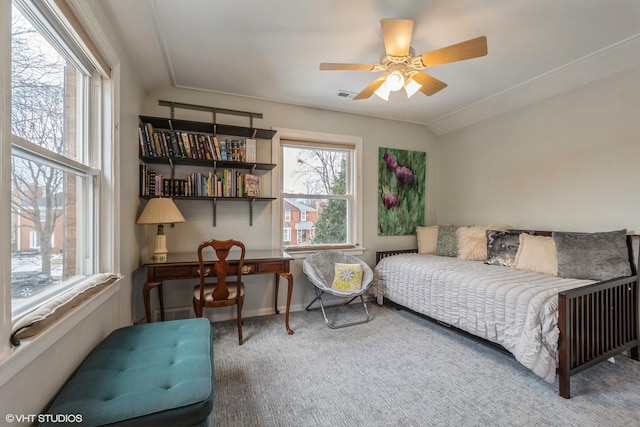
(394, 81)
(411, 87)
(383, 92)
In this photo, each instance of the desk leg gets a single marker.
(277, 275)
(161, 298)
(289, 278)
(146, 297)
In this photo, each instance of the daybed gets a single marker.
(545, 320)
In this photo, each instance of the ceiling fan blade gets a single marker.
(356, 67)
(369, 90)
(430, 85)
(457, 52)
(396, 34)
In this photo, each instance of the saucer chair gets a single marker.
(340, 275)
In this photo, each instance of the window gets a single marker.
(320, 187)
(55, 158)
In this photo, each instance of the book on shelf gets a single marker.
(143, 143)
(251, 185)
(223, 149)
(250, 150)
(216, 145)
(235, 150)
(146, 139)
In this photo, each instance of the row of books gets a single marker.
(228, 183)
(193, 145)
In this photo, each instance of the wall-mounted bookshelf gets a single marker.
(224, 158)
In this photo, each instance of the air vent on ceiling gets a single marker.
(346, 94)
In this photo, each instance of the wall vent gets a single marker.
(346, 94)
(176, 313)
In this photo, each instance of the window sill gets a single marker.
(301, 253)
(20, 357)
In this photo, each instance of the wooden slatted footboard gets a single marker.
(596, 322)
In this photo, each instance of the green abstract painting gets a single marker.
(401, 182)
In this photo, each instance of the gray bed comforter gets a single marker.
(516, 309)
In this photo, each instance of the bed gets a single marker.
(547, 323)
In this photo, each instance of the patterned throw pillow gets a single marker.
(447, 241)
(347, 277)
(502, 247)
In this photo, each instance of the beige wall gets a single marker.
(565, 163)
(233, 217)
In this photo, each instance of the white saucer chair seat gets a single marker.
(320, 269)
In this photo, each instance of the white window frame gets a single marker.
(104, 154)
(355, 221)
(287, 215)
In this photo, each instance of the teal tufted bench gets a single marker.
(157, 374)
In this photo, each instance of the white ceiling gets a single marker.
(271, 49)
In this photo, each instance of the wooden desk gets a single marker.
(185, 266)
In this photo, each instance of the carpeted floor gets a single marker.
(399, 370)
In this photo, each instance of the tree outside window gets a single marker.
(318, 194)
(52, 184)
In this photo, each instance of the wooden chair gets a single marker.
(221, 293)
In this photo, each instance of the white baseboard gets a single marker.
(220, 315)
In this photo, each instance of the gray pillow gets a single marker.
(502, 247)
(594, 256)
(447, 241)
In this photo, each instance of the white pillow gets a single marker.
(45, 315)
(472, 243)
(537, 254)
(427, 239)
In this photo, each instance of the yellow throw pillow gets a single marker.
(537, 254)
(347, 277)
(427, 239)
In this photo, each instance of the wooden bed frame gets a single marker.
(596, 321)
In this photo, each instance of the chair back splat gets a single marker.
(222, 292)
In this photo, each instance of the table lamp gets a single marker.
(160, 210)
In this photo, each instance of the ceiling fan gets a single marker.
(402, 68)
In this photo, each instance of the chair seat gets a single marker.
(208, 291)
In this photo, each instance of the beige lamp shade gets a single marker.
(161, 210)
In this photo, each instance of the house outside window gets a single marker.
(320, 184)
(55, 156)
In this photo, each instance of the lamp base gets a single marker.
(160, 251)
(160, 257)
